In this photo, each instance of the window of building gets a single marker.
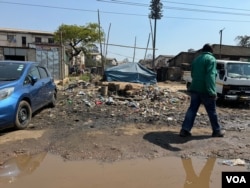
(24, 41)
(11, 38)
(50, 40)
(38, 40)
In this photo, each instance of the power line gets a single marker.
(171, 2)
(181, 8)
(124, 46)
(125, 3)
(138, 4)
(209, 6)
(207, 19)
(207, 11)
(46, 6)
(125, 56)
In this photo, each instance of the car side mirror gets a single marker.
(33, 79)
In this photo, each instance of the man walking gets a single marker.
(203, 91)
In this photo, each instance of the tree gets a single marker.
(191, 50)
(156, 14)
(79, 38)
(243, 41)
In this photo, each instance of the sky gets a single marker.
(185, 24)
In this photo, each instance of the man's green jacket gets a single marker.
(203, 73)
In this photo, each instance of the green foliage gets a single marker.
(156, 9)
(79, 38)
(85, 77)
(243, 41)
(92, 63)
(78, 34)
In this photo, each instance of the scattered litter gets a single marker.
(81, 93)
(87, 103)
(69, 101)
(133, 104)
(71, 87)
(234, 162)
(110, 101)
(241, 128)
(174, 100)
(170, 119)
(98, 102)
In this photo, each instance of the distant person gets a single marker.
(203, 91)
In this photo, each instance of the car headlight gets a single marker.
(6, 92)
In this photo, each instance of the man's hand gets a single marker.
(214, 97)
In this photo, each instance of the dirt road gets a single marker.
(85, 125)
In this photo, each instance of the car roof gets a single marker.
(230, 61)
(19, 62)
(14, 61)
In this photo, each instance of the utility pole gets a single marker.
(221, 39)
(154, 42)
(100, 42)
(155, 14)
(62, 72)
(147, 47)
(107, 43)
(134, 51)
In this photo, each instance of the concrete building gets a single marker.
(183, 60)
(30, 45)
(219, 51)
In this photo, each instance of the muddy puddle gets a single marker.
(46, 170)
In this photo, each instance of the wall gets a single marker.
(50, 58)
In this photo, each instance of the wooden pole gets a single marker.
(99, 22)
(147, 46)
(106, 48)
(134, 51)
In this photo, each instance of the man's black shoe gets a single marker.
(184, 133)
(219, 133)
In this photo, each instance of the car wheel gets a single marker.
(23, 115)
(53, 100)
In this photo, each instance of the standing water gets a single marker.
(46, 170)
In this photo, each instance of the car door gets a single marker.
(46, 81)
(36, 88)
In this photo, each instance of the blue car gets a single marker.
(25, 87)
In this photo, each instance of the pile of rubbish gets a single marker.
(124, 102)
(112, 99)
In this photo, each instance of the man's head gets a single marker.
(207, 48)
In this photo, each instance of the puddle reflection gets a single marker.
(19, 166)
(192, 179)
(45, 170)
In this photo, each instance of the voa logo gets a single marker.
(236, 179)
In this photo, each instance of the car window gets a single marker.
(10, 71)
(34, 73)
(43, 72)
(27, 80)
